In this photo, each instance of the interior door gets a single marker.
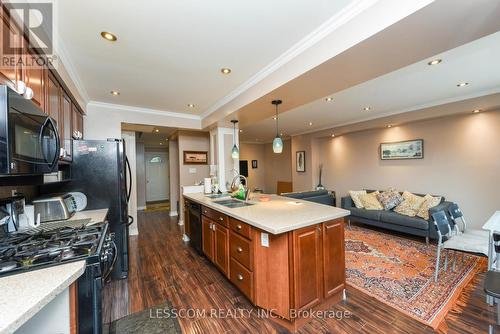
(157, 179)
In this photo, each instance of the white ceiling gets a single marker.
(413, 87)
(169, 53)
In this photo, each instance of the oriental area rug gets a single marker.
(399, 272)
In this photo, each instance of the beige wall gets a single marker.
(141, 176)
(256, 177)
(461, 162)
(271, 167)
(192, 141)
(173, 160)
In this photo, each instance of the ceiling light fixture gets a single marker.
(434, 62)
(462, 84)
(277, 142)
(367, 108)
(109, 36)
(161, 143)
(114, 93)
(241, 131)
(389, 125)
(190, 105)
(333, 135)
(157, 130)
(310, 123)
(235, 152)
(225, 70)
(475, 111)
(328, 99)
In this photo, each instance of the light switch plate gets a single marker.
(264, 239)
(192, 170)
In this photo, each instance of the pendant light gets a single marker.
(277, 142)
(235, 152)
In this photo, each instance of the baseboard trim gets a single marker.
(141, 208)
(173, 213)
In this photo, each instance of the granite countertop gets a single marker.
(279, 215)
(23, 295)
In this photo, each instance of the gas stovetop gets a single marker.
(22, 251)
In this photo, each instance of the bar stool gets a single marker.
(492, 289)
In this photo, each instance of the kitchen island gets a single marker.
(285, 255)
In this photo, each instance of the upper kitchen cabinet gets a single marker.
(34, 77)
(67, 123)
(10, 71)
(53, 102)
(77, 127)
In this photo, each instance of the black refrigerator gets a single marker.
(101, 171)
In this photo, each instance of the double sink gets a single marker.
(229, 203)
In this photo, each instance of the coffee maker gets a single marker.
(11, 209)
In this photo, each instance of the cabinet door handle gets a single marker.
(238, 227)
(240, 277)
(239, 249)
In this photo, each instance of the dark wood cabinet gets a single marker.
(187, 226)
(34, 77)
(207, 239)
(221, 248)
(67, 121)
(77, 118)
(10, 72)
(53, 102)
(308, 266)
(333, 257)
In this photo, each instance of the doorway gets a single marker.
(157, 177)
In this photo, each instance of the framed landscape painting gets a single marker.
(409, 149)
(195, 157)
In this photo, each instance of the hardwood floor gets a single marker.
(163, 268)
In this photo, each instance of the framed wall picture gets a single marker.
(254, 164)
(409, 149)
(195, 157)
(300, 161)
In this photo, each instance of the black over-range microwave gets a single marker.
(29, 142)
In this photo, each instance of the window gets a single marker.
(156, 160)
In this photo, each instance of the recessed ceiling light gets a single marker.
(434, 62)
(310, 123)
(161, 143)
(241, 130)
(389, 125)
(274, 117)
(333, 135)
(157, 130)
(108, 36)
(462, 84)
(225, 70)
(190, 105)
(475, 111)
(328, 99)
(367, 108)
(115, 92)
(166, 139)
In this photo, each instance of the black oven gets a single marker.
(29, 142)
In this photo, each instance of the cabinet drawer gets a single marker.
(216, 216)
(240, 228)
(241, 250)
(242, 278)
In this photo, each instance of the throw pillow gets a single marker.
(410, 205)
(390, 199)
(429, 202)
(355, 197)
(370, 201)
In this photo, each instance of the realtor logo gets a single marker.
(27, 34)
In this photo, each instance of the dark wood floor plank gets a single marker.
(163, 268)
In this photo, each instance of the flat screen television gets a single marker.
(244, 168)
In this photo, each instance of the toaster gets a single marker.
(55, 207)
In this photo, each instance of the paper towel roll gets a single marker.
(208, 185)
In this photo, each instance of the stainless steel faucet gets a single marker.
(235, 185)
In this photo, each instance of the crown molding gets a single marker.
(332, 24)
(143, 110)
